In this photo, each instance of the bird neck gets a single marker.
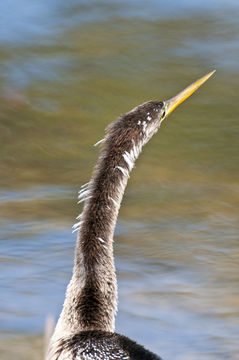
(91, 298)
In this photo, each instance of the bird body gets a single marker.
(101, 345)
(85, 329)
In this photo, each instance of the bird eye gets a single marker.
(163, 114)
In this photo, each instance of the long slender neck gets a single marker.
(91, 299)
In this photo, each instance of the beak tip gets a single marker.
(183, 95)
(212, 72)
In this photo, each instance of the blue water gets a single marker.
(68, 68)
(30, 22)
(41, 24)
(167, 286)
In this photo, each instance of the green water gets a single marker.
(67, 71)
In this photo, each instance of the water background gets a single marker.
(67, 69)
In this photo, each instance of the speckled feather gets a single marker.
(99, 345)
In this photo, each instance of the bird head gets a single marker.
(141, 123)
(148, 116)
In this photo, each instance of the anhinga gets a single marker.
(85, 329)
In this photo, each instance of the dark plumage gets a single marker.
(105, 346)
(85, 329)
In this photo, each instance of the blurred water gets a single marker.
(67, 70)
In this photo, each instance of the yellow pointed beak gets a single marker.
(171, 104)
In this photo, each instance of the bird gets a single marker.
(86, 327)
